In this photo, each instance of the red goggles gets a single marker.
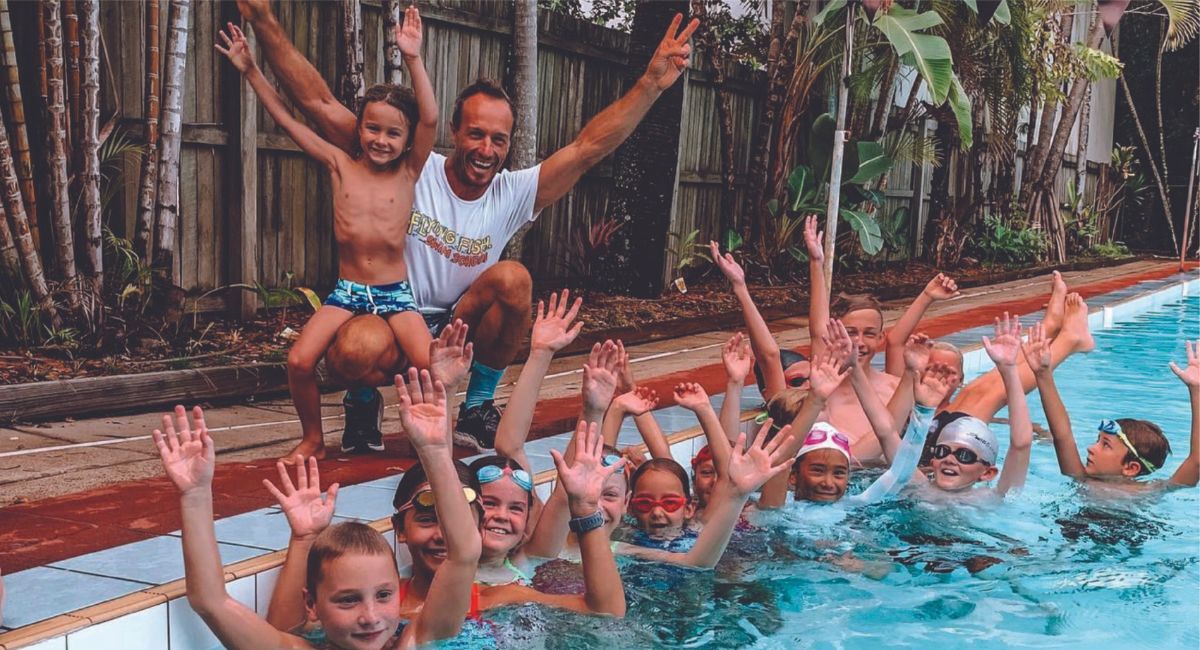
(643, 505)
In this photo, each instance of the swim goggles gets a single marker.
(425, 499)
(643, 505)
(493, 473)
(817, 436)
(962, 454)
(610, 459)
(1112, 428)
(761, 419)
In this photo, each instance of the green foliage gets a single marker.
(21, 320)
(1110, 250)
(686, 251)
(894, 230)
(999, 241)
(588, 244)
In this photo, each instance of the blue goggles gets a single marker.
(610, 459)
(492, 473)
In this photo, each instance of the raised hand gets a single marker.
(729, 266)
(941, 287)
(916, 352)
(935, 384)
(1190, 375)
(737, 358)
(450, 355)
(236, 49)
(552, 328)
(187, 452)
(1004, 348)
(813, 239)
(584, 478)
(600, 377)
(671, 57)
(423, 409)
(625, 380)
(749, 469)
(1037, 350)
(826, 375)
(307, 512)
(639, 401)
(839, 345)
(690, 396)
(408, 34)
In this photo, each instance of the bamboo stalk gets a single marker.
(70, 18)
(143, 238)
(393, 63)
(9, 259)
(43, 91)
(30, 261)
(167, 201)
(352, 53)
(60, 202)
(90, 142)
(16, 112)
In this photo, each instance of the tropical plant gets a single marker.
(588, 245)
(1004, 242)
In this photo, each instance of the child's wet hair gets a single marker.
(950, 347)
(1147, 437)
(415, 477)
(348, 538)
(663, 465)
(501, 462)
(844, 304)
(399, 97)
(784, 407)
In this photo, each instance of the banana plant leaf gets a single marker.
(867, 229)
(960, 103)
(929, 54)
(872, 161)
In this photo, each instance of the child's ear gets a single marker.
(310, 606)
(1131, 469)
(990, 473)
(689, 510)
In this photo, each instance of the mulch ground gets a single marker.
(210, 339)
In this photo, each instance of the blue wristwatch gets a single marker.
(580, 525)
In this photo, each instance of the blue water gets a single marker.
(1057, 564)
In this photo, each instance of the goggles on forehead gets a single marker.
(493, 473)
(1111, 427)
(962, 454)
(643, 505)
(425, 500)
(610, 459)
(817, 436)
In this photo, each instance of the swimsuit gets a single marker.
(379, 299)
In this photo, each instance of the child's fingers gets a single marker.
(198, 419)
(285, 481)
(777, 441)
(559, 463)
(331, 495)
(313, 479)
(552, 309)
(275, 493)
(574, 311)
(1176, 369)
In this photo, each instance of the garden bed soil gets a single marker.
(217, 341)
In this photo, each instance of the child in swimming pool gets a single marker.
(1125, 449)
(372, 204)
(351, 583)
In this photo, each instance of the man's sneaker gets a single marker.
(477, 426)
(363, 424)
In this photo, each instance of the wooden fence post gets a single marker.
(243, 303)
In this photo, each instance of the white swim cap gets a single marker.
(824, 436)
(973, 433)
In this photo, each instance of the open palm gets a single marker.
(552, 328)
(307, 512)
(583, 479)
(408, 34)
(1006, 345)
(187, 452)
(450, 355)
(750, 469)
(423, 409)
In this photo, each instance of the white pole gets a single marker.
(839, 140)
(1187, 211)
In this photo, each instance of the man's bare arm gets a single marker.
(298, 78)
(611, 126)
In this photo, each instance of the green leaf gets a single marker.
(866, 228)
(972, 5)
(829, 10)
(961, 105)
(1003, 15)
(798, 183)
(820, 146)
(732, 240)
(314, 300)
(872, 161)
(876, 197)
(773, 207)
(929, 54)
(798, 254)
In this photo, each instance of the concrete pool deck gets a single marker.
(55, 534)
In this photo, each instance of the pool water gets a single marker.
(1056, 564)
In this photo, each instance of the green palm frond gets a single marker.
(908, 147)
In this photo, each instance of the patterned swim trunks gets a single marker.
(380, 299)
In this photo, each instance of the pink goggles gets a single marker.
(824, 436)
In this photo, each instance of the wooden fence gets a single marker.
(284, 223)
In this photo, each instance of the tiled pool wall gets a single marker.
(69, 605)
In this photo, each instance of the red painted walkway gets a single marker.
(50, 530)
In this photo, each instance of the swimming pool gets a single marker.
(1056, 564)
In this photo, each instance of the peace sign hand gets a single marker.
(671, 57)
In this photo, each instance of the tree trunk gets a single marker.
(645, 167)
(716, 61)
(16, 112)
(789, 128)
(1081, 155)
(352, 53)
(525, 97)
(760, 153)
(89, 139)
(10, 262)
(1163, 196)
(30, 260)
(167, 200)
(879, 121)
(43, 77)
(393, 62)
(74, 78)
(56, 127)
(143, 237)
(1035, 156)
